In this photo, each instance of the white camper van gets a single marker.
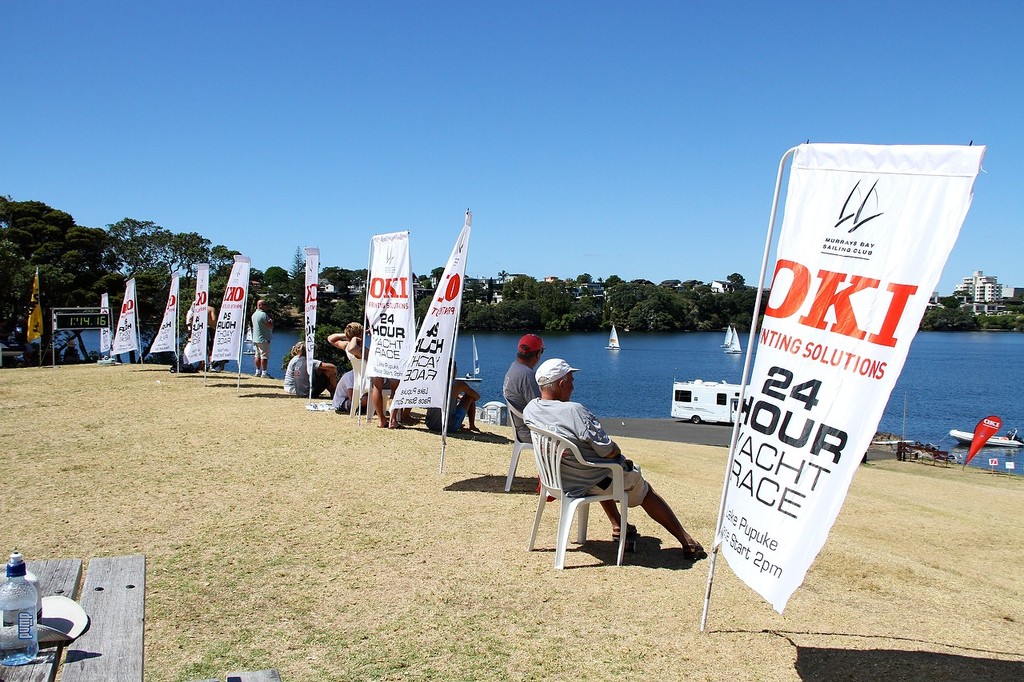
(705, 401)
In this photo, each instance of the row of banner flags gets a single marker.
(421, 363)
(866, 232)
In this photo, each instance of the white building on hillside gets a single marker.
(979, 288)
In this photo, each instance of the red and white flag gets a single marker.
(227, 343)
(390, 311)
(127, 333)
(105, 331)
(425, 381)
(986, 428)
(166, 336)
(312, 282)
(195, 349)
(866, 233)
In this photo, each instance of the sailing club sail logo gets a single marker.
(854, 213)
(858, 209)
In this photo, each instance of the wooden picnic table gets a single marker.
(113, 595)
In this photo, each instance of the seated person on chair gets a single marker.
(520, 385)
(461, 403)
(343, 394)
(325, 375)
(554, 412)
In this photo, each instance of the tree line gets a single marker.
(77, 264)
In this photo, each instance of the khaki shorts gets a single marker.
(635, 485)
(262, 351)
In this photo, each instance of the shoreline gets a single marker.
(683, 431)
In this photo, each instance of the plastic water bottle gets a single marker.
(19, 638)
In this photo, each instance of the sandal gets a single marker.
(631, 533)
(694, 552)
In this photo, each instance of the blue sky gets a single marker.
(636, 139)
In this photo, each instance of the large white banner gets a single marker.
(866, 233)
(227, 343)
(105, 331)
(312, 282)
(166, 340)
(390, 309)
(425, 381)
(195, 349)
(127, 333)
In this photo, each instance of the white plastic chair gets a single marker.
(548, 450)
(517, 446)
(361, 387)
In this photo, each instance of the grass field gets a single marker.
(281, 538)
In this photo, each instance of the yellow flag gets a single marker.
(35, 318)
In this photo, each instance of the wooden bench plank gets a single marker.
(114, 596)
(256, 676)
(56, 576)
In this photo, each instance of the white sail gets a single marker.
(613, 340)
(476, 360)
(734, 343)
(728, 337)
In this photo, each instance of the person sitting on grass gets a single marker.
(296, 377)
(553, 411)
(461, 403)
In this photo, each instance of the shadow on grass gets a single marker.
(481, 437)
(821, 664)
(494, 484)
(648, 554)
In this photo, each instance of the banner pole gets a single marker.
(361, 377)
(743, 385)
(448, 398)
(241, 339)
(177, 346)
(451, 367)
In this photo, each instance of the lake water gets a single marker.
(950, 380)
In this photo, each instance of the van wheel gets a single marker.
(695, 419)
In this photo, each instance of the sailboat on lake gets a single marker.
(734, 342)
(613, 340)
(475, 376)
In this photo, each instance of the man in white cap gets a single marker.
(554, 412)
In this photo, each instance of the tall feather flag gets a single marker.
(866, 232)
(35, 318)
(126, 334)
(195, 349)
(166, 340)
(227, 342)
(105, 331)
(427, 379)
(312, 281)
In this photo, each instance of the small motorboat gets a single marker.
(1010, 440)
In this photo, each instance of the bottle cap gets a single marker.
(16, 566)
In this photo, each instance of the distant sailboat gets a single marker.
(475, 376)
(734, 342)
(248, 346)
(613, 340)
(728, 337)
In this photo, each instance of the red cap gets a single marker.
(530, 343)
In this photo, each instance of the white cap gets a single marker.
(550, 371)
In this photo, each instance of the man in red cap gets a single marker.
(520, 386)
